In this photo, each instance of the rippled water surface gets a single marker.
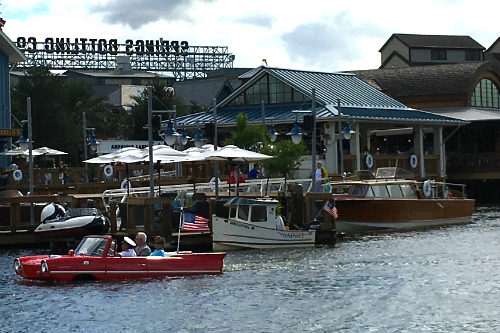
(444, 280)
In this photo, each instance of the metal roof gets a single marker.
(358, 100)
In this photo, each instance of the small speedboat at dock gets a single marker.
(255, 224)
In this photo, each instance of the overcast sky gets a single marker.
(323, 35)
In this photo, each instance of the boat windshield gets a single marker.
(341, 189)
(259, 214)
(92, 246)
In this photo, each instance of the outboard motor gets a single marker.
(52, 211)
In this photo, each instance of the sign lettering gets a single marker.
(12, 132)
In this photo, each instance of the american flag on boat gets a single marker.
(193, 222)
(331, 209)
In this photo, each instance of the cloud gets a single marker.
(137, 14)
(258, 19)
(326, 42)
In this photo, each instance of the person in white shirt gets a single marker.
(128, 248)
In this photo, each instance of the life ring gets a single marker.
(18, 175)
(123, 185)
(108, 170)
(369, 161)
(413, 161)
(426, 188)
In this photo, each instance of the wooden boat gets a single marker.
(96, 258)
(254, 224)
(392, 201)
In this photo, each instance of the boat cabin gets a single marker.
(396, 183)
(255, 211)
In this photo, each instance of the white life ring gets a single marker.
(18, 175)
(369, 161)
(123, 185)
(413, 161)
(426, 188)
(108, 170)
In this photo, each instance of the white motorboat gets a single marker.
(254, 224)
(75, 222)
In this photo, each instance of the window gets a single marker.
(408, 191)
(485, 94)
(243, 212)
(395, 191)
(232, 212)
(438, 55)
(259, 214)
(380, 191)
(472, 55)
(359, 190)
(269, 90)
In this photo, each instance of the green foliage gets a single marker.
(248, 137)
(287, 157)
(57, 105)
(164, 98)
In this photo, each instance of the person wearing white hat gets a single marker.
(128, 248)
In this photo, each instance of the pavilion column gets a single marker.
(331, 154)
(419, 149)
(355, 146)
(439, 150)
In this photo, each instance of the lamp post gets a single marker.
(344, 133)
(89, 140)
(27, 143)
(296, 135)
(216, 164)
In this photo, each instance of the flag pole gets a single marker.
(181, 219)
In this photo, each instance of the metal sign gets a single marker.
(10, 132)
(178, 57)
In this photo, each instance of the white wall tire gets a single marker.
(413, 161)
(426, 189)
(108, 170)
(18, 175)
(369, 161)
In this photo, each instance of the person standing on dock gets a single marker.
(142, 249)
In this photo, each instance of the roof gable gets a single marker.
(330, 87)
(436, 41)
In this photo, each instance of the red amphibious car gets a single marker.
(96, 258)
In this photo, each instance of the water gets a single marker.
(443, 280)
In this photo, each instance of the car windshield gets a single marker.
(92, 246)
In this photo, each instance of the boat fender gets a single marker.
(369, 161)
(426, 189)
(123, 186)
(108, 170)
(413, 161)
(18, 175)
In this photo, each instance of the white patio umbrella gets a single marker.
(14, 152)
(47, 152)
(232, 153)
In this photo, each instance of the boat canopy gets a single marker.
(250, 202)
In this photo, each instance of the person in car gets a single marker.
(159, 247)
(142, 249)
(128, 248)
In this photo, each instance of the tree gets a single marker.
(248, 137)
(287, 157)
(57, 105)
(164, 98)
